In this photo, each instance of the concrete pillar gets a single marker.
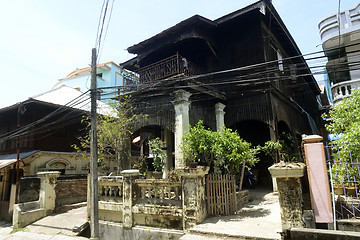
(182, 106)
(47, 195)
(219, 114)
(168, 151)
(193, 195)
(318, 179)
(288, 179)
(128, 177)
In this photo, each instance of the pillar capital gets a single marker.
(181, 96)
(219, 115)
(219, 107)
(312, 138)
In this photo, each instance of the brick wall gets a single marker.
(69, 191)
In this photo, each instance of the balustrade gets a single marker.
(168, 67)
(159, 191)
(111, 189)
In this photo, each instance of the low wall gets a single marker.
(26, 213)
(349, 225)
(69, 191)
(242, 198)
(110, 230)
(320, 234)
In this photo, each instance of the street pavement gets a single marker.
(54, 227)
(258, 219)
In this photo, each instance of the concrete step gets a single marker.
(65, 208)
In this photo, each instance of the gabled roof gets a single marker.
(265, 7)
(64, 96)
(10, 159)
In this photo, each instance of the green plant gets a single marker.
(113, 131)
(141, 164)
(19, 230)
(155, 147)
(338, 173)
(345, 124)
(173, 175)
(283, 150)
(226, 150)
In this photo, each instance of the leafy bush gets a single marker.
(226, 149)
(155, 146)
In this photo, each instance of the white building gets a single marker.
(340, 35)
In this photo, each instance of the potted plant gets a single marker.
(286, 162)
(353, 177)
(155, 148)
(338, 173)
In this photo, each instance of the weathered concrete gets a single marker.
(193, 195)
(26, 213)
(181, 106)
(320, 234)
(129, 176)
(219, 114)
(349, 225)
(54, 227)
(290, 193)
(243, 198)
(111, 230)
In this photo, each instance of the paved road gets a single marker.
(259, 219)
(54, 227)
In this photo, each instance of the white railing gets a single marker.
(159, 191)
(110, 189)
(344, 89)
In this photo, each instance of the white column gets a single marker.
(219, 114)
(182, 106)
(47, 193)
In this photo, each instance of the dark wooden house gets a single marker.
(243, 70)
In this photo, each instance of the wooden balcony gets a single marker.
(168, 67)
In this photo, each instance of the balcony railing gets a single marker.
(168, 67)
(344, 89)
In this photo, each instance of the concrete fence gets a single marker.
(28, 212)
(173, 204)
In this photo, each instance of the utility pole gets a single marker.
(94, 211)
(18, 154)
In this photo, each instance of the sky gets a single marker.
(44, 40)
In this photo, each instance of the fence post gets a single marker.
(318, 179)
(193, 195)
(47, 195)
(128, 177)
(290, 193)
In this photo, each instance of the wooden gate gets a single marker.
(221, 194)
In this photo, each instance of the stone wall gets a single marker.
(29, 189)
(69, 191)
(242, 198)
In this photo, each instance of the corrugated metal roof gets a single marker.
(67, 97)
(9, 159)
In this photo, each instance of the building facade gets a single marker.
(243, 70)
(109, 80)
(340, 36)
